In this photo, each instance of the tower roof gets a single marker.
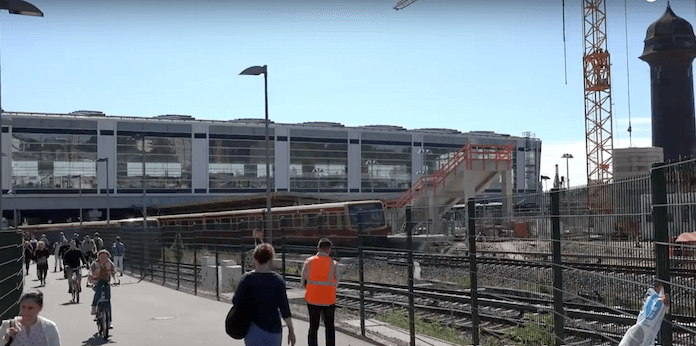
(669, 33)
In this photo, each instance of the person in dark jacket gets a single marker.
(28, 255)
(262, 293)
(71, 260)
(41, 257)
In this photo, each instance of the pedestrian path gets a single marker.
(149, 314)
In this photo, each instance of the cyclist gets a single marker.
(71, 260)
(102, 271)
(88, 248)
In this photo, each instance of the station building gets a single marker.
(85, 160)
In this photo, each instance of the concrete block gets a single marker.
(230, 277)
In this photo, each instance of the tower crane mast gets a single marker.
(597, 86)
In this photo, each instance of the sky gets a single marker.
(469, 65)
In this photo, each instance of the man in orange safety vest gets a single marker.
(320, 276)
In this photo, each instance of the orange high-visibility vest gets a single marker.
(321, 280)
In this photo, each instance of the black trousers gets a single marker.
(315, 312)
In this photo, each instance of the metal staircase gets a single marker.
(447, 182)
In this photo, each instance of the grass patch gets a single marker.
(535, 332)
(433, 329)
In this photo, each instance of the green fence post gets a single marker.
(195, 273)
(411, 300)
(558, 314)
(361, 274)
(473, 271)
(661, 229)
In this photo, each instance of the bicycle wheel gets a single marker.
(100, 330)
(104, 322)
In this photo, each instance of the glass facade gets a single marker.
(318, 164)
(54, 160)
(385, 166)
(239, 163)
(167, 161)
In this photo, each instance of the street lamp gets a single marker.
(544, 178)
(108, 203)
(255, 71)
(567, 156)
(424, 159)
(318, 171)
(371, 167)
(26, 9)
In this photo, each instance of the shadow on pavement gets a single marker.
(95, 340)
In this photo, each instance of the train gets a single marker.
(341, 222)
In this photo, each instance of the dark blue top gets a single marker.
(263, 294)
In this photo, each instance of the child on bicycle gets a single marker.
(102, 270)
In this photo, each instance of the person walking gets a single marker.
(41, 257)
(88, 248)
(262, 293)
(30, 329)
(320, 276)
(118, 250)
(98, 242)
(28, 255)
(57, 255)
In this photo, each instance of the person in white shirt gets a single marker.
(30, 329)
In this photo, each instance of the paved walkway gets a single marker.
(149, 314)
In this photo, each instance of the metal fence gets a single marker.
(569, 266)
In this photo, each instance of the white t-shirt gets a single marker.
(43, 333)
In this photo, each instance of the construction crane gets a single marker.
(597, 71)
(599, 139)
(401, 4)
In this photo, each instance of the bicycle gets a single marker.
(75, 286)
(103, 317)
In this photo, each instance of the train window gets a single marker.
(197, 225)
(286, 221)
(333, 221)
(311, 220)
(225, 221)
(243, 224)
(372, 214)
(297, 221)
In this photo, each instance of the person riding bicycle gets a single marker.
(102, 270)
(71, 260)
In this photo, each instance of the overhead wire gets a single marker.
(628, 76)
(565, 56)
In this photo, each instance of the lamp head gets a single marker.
(254, 71)
(20, 7)
(567, 156)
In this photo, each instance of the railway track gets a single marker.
(425, 259)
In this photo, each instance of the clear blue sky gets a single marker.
(469, 65)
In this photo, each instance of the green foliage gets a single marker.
(433, 329)
(536, 332)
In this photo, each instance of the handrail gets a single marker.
(468, 153)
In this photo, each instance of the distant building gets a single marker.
(187, 160)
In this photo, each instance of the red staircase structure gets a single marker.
(468, 154)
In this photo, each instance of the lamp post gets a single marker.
(544, 178)
(318, 171)
(255, 71)
(371, 167)
(26, 9)
(424, 159)
(108, 202)
(567, 156)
